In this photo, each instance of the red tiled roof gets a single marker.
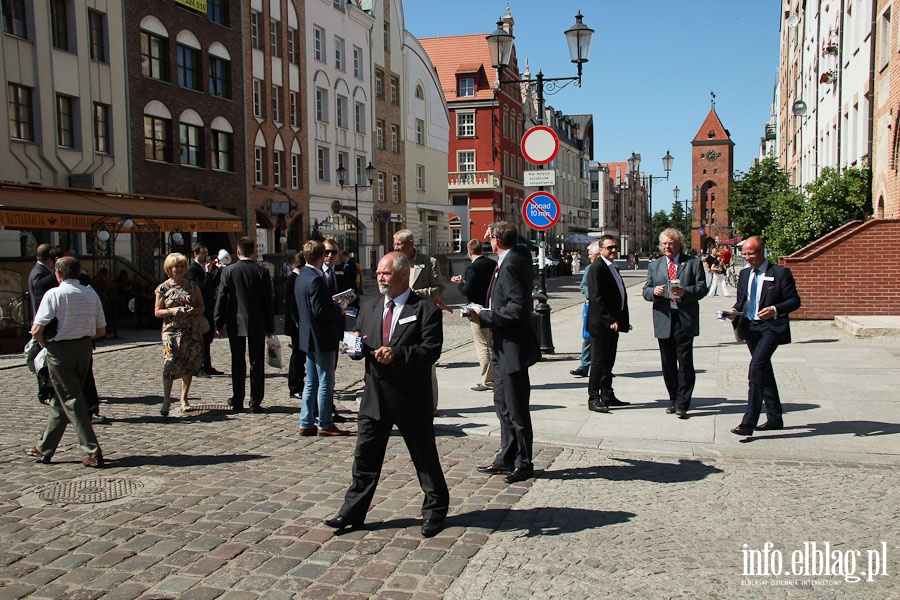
(461, 54)
(712, 130)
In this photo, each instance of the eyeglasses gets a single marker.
(328, 252)
(610, 247)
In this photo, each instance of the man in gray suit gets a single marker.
(676, 316)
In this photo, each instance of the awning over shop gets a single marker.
(65, 209)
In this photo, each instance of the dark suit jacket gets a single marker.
(606, 303)
(692, 278)
(509, 318)
(291, 315)
(245, 305)
(208, 283)
(778, 290)
(401, 391)
(41, 279)
(321, 321)
(475, 281)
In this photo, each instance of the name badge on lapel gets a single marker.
(406, 320)
(422, 266)
(768, 278)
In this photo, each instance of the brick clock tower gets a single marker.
(712, 161)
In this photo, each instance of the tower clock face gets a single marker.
(712, 155)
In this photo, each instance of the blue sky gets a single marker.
(651, 69)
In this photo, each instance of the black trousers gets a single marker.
(512, 399)
(603, 358)
(763, 389)
(369, 459)
(255, 346)
(296, 367)
(207, 344)
(677, 355)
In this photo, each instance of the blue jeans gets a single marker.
(318, 390)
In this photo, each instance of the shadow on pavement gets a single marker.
(643, 470)
(549, 520)
(461, 412)
(458, 365)
(822, 341)
(740, 407)
(857, 428)
(182, 460)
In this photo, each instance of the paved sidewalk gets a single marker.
(634, 504)
(839, 392)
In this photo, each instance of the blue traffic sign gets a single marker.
(541, 210)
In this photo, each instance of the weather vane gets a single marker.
(712, 100)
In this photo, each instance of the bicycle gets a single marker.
(731, 276)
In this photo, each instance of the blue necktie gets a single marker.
(751, 301)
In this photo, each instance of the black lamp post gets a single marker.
(634, 166)
(500, 44)
(342, 181)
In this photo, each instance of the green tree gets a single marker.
(752, 196)
(833, 199)
(659, 221)
(680, 221)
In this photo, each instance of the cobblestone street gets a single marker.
(217, 505)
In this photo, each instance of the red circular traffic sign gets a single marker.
(540, 210)
(540, 145)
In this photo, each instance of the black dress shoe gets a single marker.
(257, 410)
(579, 372)
(212, 371)
(494, 469)
(771, 425)
(342, 522)
(338, 418)
(681, 414)
(741, 430)
(670, 410)
(520, 474)
(236, 407)
(617, 402)
(432, 527)
(596, 406)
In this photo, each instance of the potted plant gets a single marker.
(830, 50)
(828, 77)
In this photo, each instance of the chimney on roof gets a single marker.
(508, 21)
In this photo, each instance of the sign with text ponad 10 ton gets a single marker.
(541, 211)
(540, 145)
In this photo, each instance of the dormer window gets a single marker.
(466, 87)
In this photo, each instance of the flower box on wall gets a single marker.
(830, 50)
(828, 77)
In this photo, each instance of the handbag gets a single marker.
(273, 351)
(201, 323)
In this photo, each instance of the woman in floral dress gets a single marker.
(178, 301)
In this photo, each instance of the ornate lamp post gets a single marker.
(342, 181)
(500, 44)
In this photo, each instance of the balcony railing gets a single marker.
(473, 180)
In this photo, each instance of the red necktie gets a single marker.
(672, 274)
(386, 324)
(487, 301)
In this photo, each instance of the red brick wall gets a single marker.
(850, 271)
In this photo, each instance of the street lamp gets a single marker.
(500, 44)
(668, 160)
(342, 181)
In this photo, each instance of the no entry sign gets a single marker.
(540, 145)
(541, 210)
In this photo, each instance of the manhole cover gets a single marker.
(90, 491)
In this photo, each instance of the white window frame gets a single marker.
(277, 157)
(464, 159)
(420, 178)
(259, 165)
(318, 43)
(321, 105)
(465, 124)
(395, 138)
(323, 162)
(420, 132)
(380, 186)
(341, 115)
(295, 171)
(340, 59)
(277, 114)
(395, 188)
(359, 117)
(379, 134)
(357, 62)
(466, 87)
(294, 108)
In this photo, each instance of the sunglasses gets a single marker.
(610, 247)
(327, 252)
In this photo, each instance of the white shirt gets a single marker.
(77, 309)
(399, 303)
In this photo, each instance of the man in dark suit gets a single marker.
(206, 275)
(676, 316)
(321, 329)
(245, 307)
(766, 294)
(403, 338)
(297, 365)
(474, 285)
(508, 315)
(41, 277)
(607, 317)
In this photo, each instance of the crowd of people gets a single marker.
(398, 334)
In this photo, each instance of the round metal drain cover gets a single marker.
(90, 491)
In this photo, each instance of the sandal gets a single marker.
(185, 407)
